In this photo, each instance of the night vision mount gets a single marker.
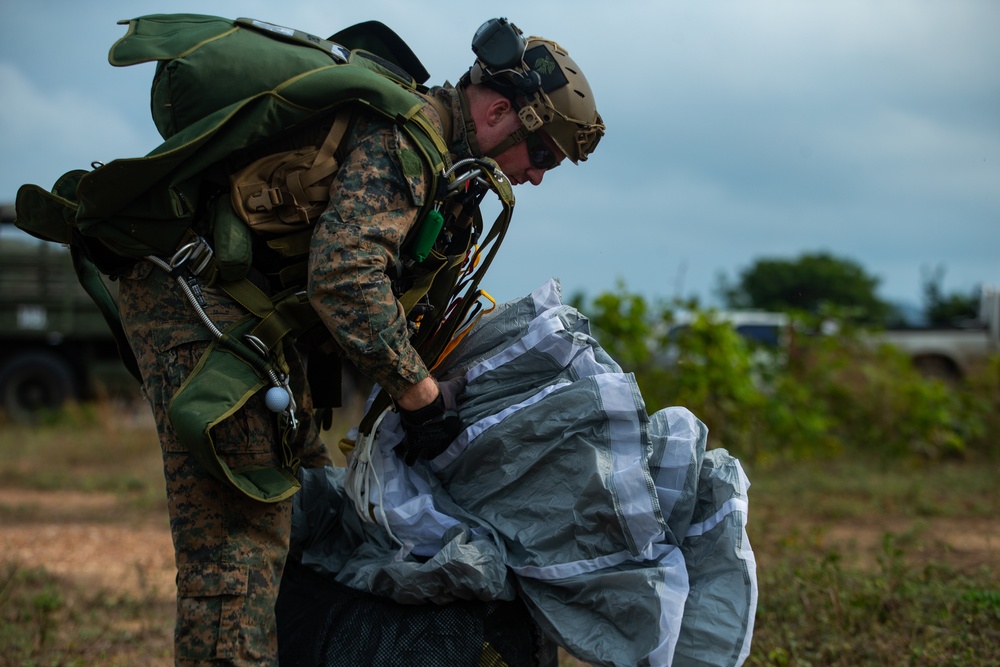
(499, 47)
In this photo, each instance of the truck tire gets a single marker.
(938, 367)
(35, 381)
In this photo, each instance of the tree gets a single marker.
(944, 310)
(812, 283)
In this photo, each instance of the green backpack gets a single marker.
(223, 87)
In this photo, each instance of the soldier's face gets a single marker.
(524, 162)
(527, 163)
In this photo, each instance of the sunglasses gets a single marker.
(541, 156)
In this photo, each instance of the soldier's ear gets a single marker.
(498, 110)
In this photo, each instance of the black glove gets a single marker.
(323, 418)
(432, 428)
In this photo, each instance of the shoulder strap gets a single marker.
(91, 281)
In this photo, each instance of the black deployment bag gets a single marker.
(322, 623)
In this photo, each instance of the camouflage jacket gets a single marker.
(374, 202)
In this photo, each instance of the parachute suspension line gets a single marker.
(464, 309)
(471, 320)
(363, 478)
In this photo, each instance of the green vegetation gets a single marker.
(816, 283)
(50, 620)
(97, 447)
(860, 564)
(75, 478)
(814, 395)
(942, 309)
(873, 513)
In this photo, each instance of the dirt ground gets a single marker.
(99, 542)
(113, 563)
(92, 539)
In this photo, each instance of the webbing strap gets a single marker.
(444, 113)
(431, 132)
(91, 281)
(299, 183)
(248, 295)
(287, 312)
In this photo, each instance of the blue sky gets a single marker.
(736, 130)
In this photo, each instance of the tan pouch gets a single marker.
(287, 191)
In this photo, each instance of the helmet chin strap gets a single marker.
(470, 122)
(514, 138)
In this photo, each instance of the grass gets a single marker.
(101, 465)
(863, 566)
(53, 620)
(858, 563)
(101, 447)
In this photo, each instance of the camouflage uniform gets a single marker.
(230, 550)
(374, 202)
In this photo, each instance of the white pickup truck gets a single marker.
(951, 353)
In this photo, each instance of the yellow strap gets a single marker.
(458, 337)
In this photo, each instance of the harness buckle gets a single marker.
(197, 254)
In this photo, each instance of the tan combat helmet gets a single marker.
(546, 85)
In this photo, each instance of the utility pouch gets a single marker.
(220, 384)
(49, 215)
(287, 191)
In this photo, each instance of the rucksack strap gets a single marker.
(92, 283)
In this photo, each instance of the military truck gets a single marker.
(54, 344)
(952, 353)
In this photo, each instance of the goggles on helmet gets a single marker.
(543, 82)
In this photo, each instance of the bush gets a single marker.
(815, 395)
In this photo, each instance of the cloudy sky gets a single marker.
(737, 130)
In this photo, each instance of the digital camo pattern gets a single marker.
(230, 550)
(374, 202)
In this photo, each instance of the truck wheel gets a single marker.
(32, 382)
(934, 366)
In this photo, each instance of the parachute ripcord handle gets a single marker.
(255, 354)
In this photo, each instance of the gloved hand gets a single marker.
(432, 428)
(323, 418)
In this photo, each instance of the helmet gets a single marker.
(545, 84)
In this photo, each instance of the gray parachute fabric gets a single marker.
(623, 535)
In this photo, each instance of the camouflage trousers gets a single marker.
(230, 550)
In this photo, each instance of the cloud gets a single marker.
(737, 130)
(56, 130)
